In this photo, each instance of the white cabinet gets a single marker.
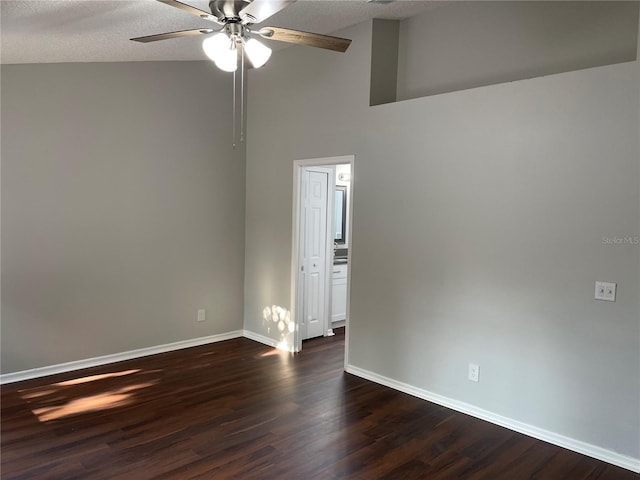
(339, 293)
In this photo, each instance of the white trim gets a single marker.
(295, 249)
(350, 256)
(609, 456)
(298, 165)
(115, 357)
(328, 277)
(256, 337)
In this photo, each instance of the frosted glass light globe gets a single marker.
(222, 50)
(257, 52)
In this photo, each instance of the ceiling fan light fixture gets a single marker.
(222, 50)
(257, 52)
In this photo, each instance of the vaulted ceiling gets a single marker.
(52, 31)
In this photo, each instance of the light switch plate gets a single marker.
(605, 291)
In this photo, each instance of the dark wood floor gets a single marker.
(238, 409)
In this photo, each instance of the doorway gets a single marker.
(314, 259)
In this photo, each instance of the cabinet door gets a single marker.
(339, 300)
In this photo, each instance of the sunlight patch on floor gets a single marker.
(270, 353)
(102, 401)
(68, 397)
(93, 378)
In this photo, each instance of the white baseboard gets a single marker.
(624, 461)
(284, 346)
(338, 323)
(116, 357)
(260, 338)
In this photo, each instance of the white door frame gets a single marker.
(296, 304)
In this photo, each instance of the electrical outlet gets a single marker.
(201, 315)
(474, 372)
(605, 291)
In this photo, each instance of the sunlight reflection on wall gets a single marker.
(279, 318)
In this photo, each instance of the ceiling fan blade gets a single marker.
(259, 10)
(180, 33)
(189, 9)
(305, 38)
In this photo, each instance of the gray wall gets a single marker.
(122, 209)
(470, 44)
(477, 233)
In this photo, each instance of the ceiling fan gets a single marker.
(226, 45)
(235, 36)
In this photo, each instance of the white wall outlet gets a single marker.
(605, 291)
(474, 372)
(201, 315)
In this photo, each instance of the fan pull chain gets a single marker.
(234, 110)
(242, 97)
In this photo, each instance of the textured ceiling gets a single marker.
(52, 31)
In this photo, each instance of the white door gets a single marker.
(314, 250)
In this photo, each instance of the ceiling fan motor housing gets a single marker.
(228, 9)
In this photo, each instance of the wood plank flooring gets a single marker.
(238, 409)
